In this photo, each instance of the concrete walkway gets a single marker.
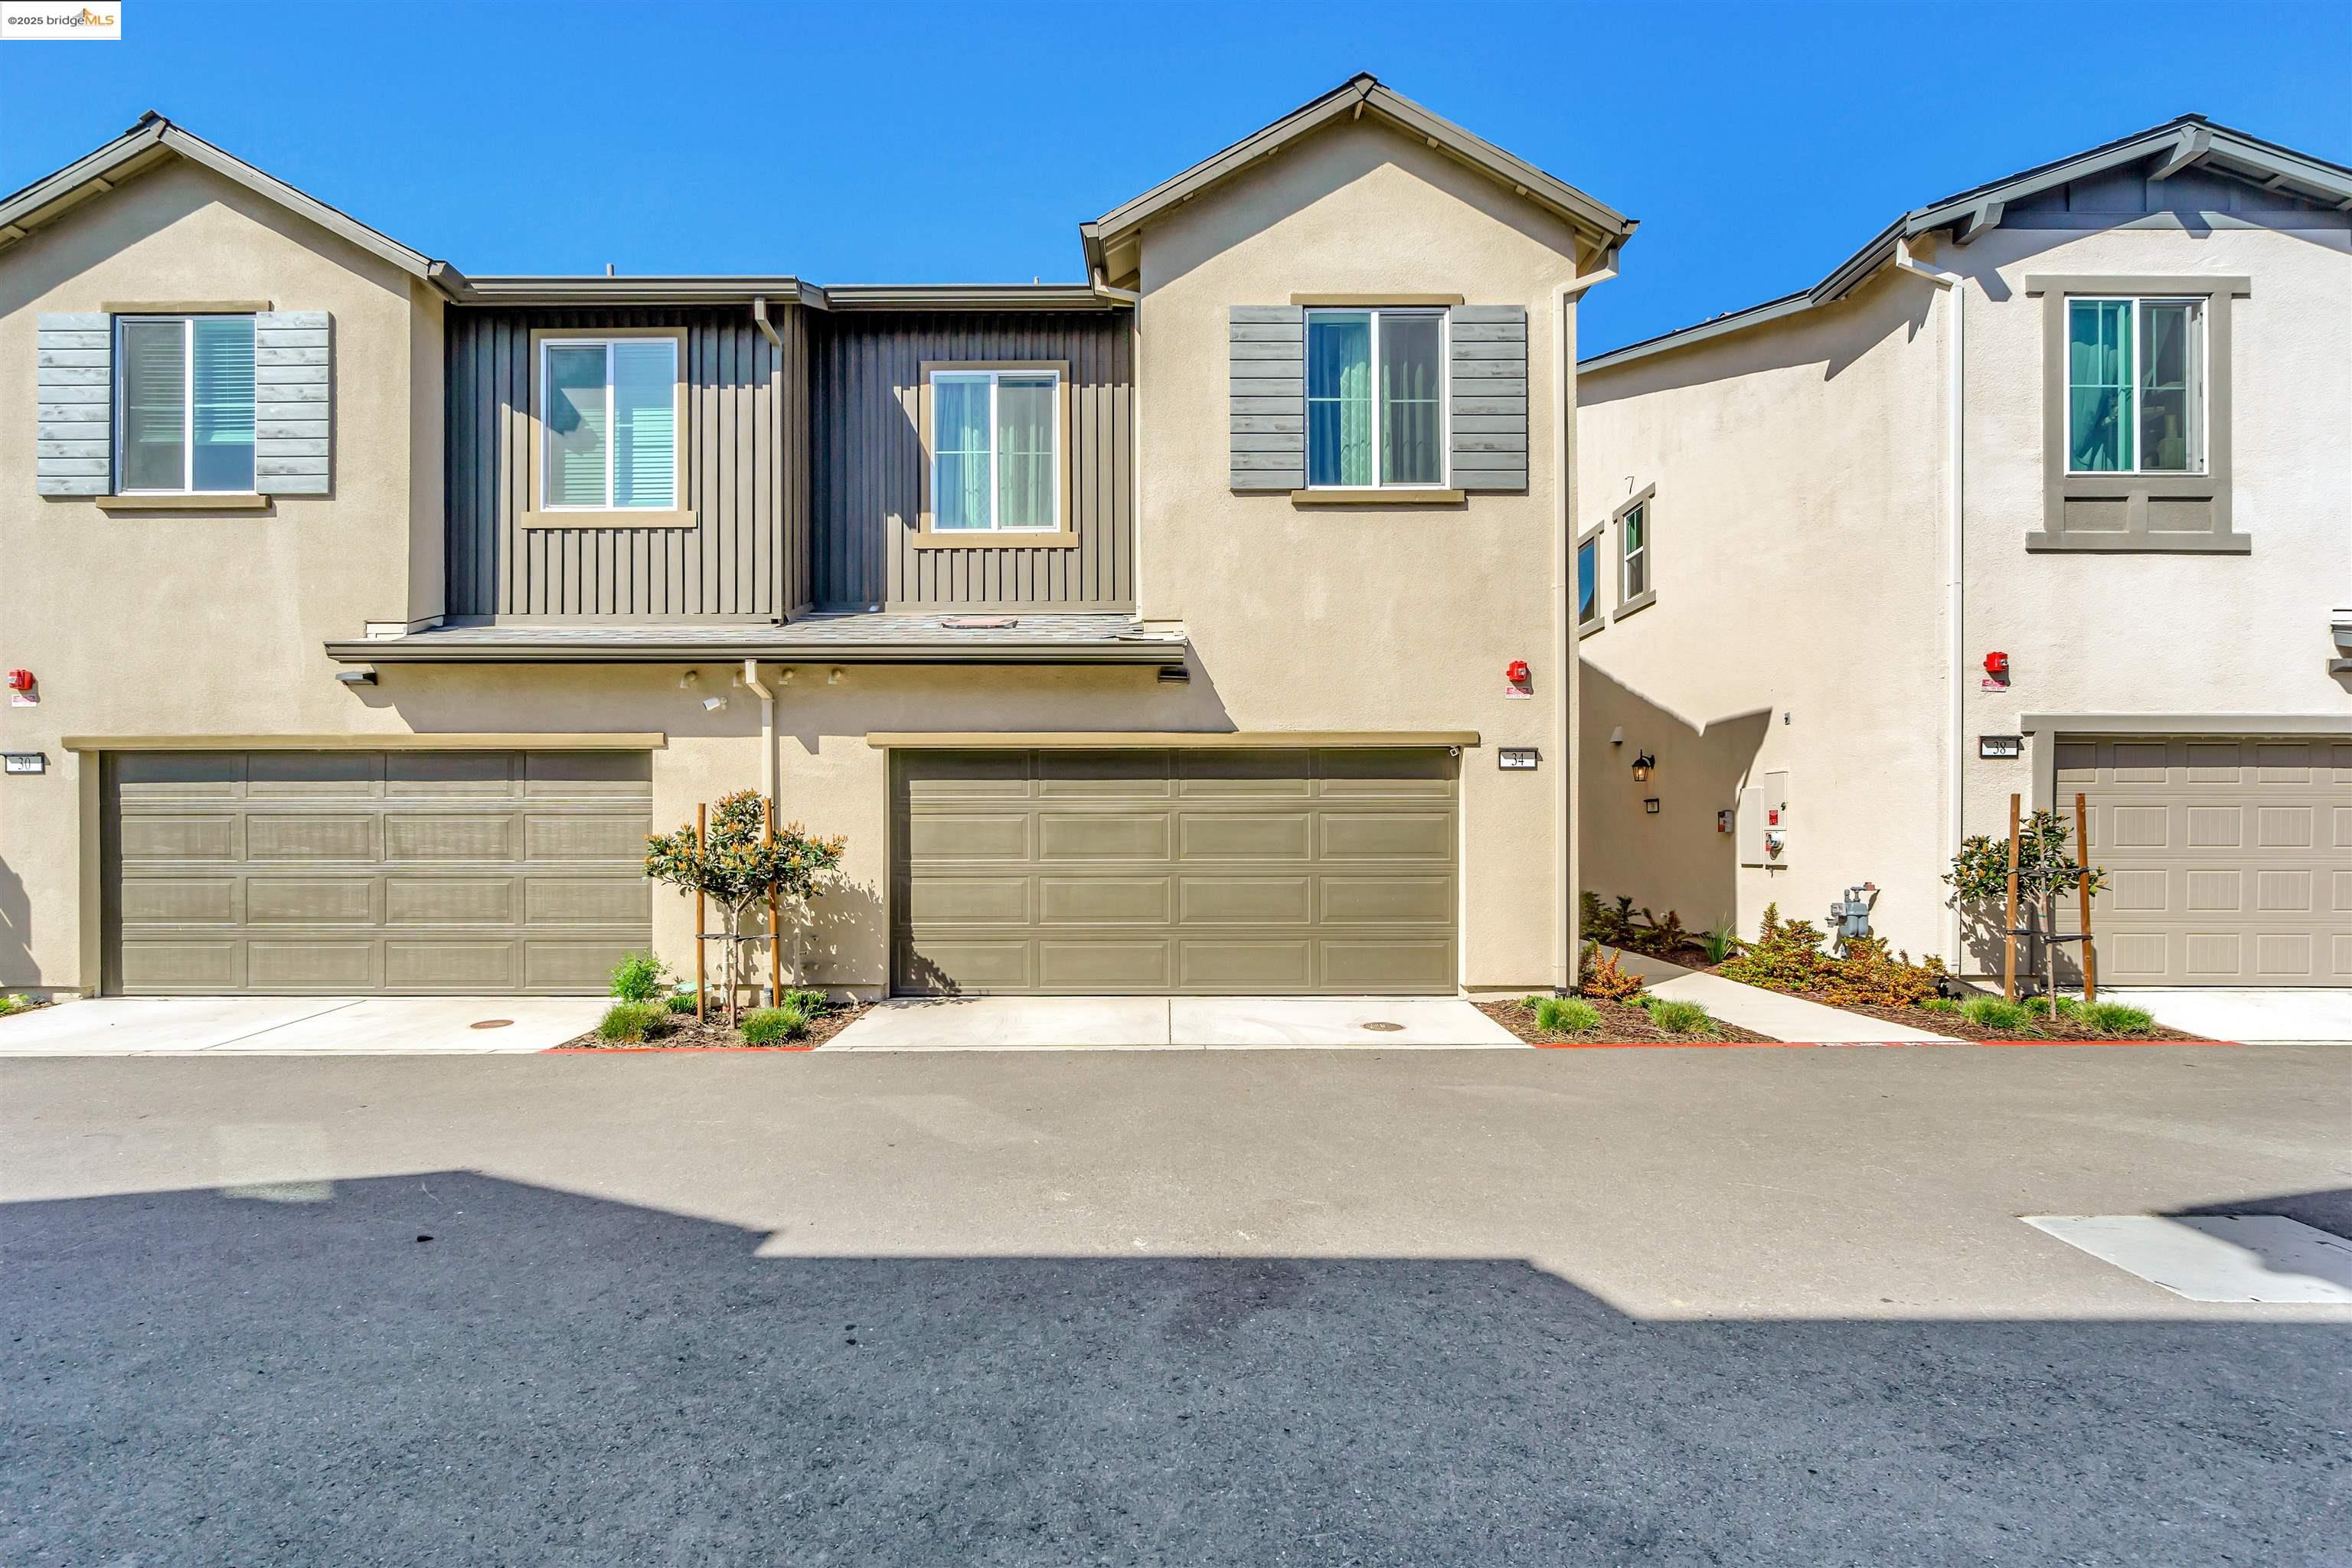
(1769, 1013)
(1180, 1022)
(341, 1025)
(2310, 1012)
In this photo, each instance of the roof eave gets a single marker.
(1164, 653)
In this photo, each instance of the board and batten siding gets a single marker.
(744, 478)
(867, 482)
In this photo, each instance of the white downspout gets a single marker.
(1568, 684)
(1956, 382)
(767, 727)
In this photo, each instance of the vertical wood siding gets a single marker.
(745, 477)
(866, 485)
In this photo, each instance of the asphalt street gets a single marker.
(1655, 1307)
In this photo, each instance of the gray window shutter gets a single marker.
(1268, 368)
(73, 451)
(1489, 367)
(293, 402)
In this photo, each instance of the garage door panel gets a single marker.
(359, 872)
(2285, 958)
(2284, 827)
(309, 900)
(1105, 901)
(2340, 964)
(194, 966)
(2212, 763)
(308, 776)
(291, 965)
(451, 901)
(1213, 871)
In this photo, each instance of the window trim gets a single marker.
(2202, 358)
(1591, 540)
(1627, 605)
(928, 535)
(120, 408)
(1444, 483)
(2141, 511)
(539, 514)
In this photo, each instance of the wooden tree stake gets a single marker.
(2009, 938)
(775, 930)
(702, 826)
(2083, 891)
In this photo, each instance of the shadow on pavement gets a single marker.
(296, 1377)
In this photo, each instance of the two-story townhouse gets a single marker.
(1159, 634)
(2042, 492)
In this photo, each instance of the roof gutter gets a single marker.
(1167, 653)
(1956, 540)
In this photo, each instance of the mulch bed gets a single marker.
(2043, 1027)
(1620, 1025)
(715, 1035)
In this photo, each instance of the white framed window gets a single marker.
(2135, 385)
(1376, 398)
(1632, 553)
(184, 404)
(609, 424)
(995, 440)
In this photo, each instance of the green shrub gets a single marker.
(1995, 1013)
(1938, 1005)
(16, 1003)
(774, 1026)
(1719, 942)
(1679, 1017)
(627, 1022)
(679, 1002)
(1788, 956)
(2119, 1017)
(1565, 1014)
(810, 1002)
(638, 977)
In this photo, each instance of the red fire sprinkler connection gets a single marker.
(1516, 672)
(20, 680)
(1997, 665)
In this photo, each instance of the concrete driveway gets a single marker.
(2302, 1014)
(1181, 1023)
(174, 1025)
(1261, 1308)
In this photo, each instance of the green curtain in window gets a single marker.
(1412, 400)
(645, 422)
(222, 457)
(576, 421)
(2098, 385)
(1339, 399)
(1025, 452)
(960, 435)
(154, 405)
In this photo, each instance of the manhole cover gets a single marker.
(1387, 1028)
(491, 1024)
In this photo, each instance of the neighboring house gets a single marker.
(2092, 418)
(1149, 635)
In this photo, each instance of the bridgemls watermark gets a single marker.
(61, 22)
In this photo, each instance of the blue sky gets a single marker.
(1760, 143)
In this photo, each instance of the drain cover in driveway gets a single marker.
(491, 1024)
(1387, 1028)
(2216, 1257)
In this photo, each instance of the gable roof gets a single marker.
(1602, 227)
(155, 140)
(2190, 141)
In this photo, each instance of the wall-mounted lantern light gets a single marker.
(1643, 765)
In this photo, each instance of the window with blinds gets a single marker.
(184, 404)
(609, 421)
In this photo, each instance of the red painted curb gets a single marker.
(1829, 1045)
(666, 1050)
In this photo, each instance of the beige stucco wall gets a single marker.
(198, 622)
(1365, 618)
(1801, 568)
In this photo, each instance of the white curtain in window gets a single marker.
(1025, 452)
(960, 435)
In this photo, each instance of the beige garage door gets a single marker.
(353, 872)
(2228, 858)
(1208, 871)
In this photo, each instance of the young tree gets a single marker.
(735, 865)
(2045, 868)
